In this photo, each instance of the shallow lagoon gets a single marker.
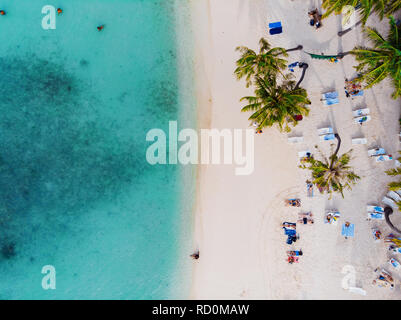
(76, 191)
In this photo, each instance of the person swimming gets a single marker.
(59, 11)
(2, 12)
(100, 28)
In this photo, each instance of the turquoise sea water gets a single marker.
(76, 191)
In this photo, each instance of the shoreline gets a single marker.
(237, 220)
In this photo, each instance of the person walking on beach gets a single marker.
(195, 255)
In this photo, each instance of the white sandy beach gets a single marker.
(242, 246)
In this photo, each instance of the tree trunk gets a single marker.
(304, 66)
(343, 54)
(337, 149)
(341, 33)
(295, 49)
(387, 212)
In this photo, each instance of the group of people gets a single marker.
(290, 229)
(315, 18)
(352, 88)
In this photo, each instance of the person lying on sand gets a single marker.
(293, 202)
(351, 88)
(306, 220)
(289, 225)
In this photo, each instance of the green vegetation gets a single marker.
(332, 174)
(272, 102)
(381, 61)
(275, 103)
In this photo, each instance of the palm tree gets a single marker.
(365, 7)
(396, 185)
(381, 61)
(276, 104)
(268, 60)
(393, 6)
(332, 174)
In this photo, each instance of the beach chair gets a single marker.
(375, 209)
(292, 66)
(375, 213)
(330, 98)
(324, 131)
(395, 263)
(361, 112)
(304, 155)
(362, 119)
(327, 137)
(389, 202)
(383, 158)
(275, 28)
(296, 139)
(348, 230)
(394, 195)
(357, 141)
(375, 216)
(395, 249)
(376, 152)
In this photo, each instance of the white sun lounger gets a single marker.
(383, 158)
(361, 112)
(375, 216)
(376, 152)
(330, 98)
(393, 195)
(303, 154)
(389, 202)
(323, 131)
(374, 209)
(327, 137)
(295, 139)
(359, 141)
(362, 119)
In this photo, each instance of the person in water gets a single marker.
(195, 255)
(100, 28)
(2, 12)
(59, 11)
